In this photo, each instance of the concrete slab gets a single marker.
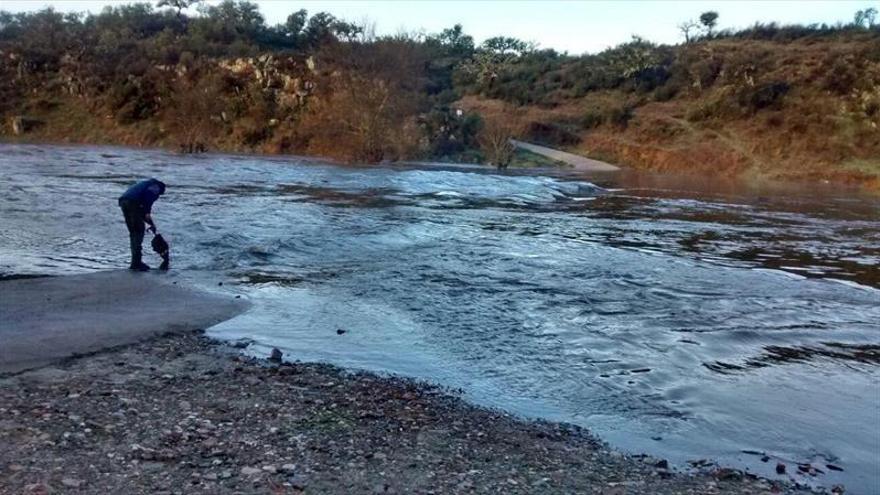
(43, 320)
(576, 161)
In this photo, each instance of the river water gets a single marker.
(685, 320)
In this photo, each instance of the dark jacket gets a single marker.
(142, 194)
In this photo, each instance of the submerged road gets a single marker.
(43, 320)
(577, 161)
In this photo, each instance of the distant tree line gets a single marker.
(393, 95)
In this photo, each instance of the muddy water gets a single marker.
(688, 320)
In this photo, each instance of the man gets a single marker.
(136, 204)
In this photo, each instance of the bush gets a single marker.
(763, 96)
(620, 116)
(551, 134)
(666, 92)
(705, 72)
(132, 100)
(449, 132)
(592, 119)
(706, 110)
(841, 76)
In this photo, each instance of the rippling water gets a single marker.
(690, 322)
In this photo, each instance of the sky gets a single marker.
(572, 26)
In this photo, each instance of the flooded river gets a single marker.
(690, 321)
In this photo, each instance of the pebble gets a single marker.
(71, 483)
(780, 468)
(297, 481)
(249, 471)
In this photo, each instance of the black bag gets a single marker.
(160, 246)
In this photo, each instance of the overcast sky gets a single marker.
(573, 26)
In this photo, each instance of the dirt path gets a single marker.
(577, 161)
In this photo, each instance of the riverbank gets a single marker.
(182, 414)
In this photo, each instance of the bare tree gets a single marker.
(495, 142)
(687, 27)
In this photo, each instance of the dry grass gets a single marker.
(812, 133)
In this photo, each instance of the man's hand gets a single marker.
(149, 220)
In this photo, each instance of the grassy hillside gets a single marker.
(796, 102)
(803, 109)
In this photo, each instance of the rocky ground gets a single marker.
(182, 414)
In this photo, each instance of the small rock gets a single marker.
(833, 467)
(249, 471)
(297, 481)
(662, 464)
(210, 476)
(780, 468)
(340, 331)
(270, 469)
(276, 355)
(72, 483)
(765, 458)
(288, 468)
(225, 474)
(728, 474)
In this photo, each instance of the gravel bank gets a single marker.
(182, 414)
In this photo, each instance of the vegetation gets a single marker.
(797, 101)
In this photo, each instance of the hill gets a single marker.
(794, 102)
